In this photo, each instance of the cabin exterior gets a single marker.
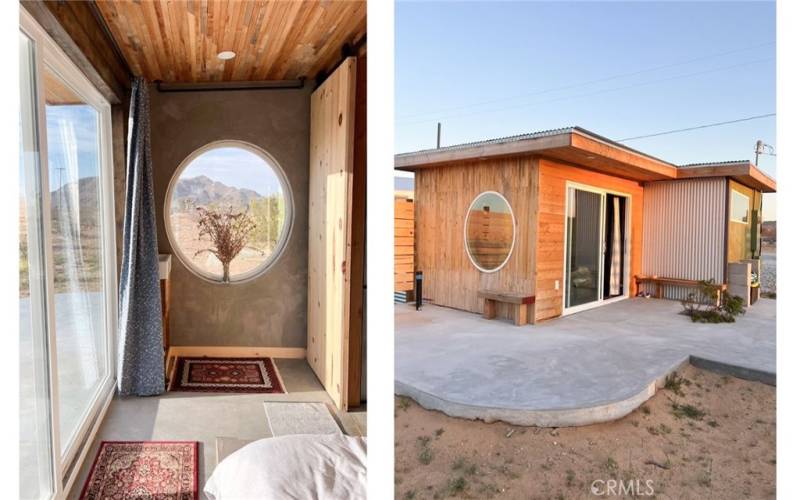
(588, 216)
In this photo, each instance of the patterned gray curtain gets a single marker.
(140, 356)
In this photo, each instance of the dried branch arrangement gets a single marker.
(228, 231)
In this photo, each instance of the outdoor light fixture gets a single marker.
(226, 55)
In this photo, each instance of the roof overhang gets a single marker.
(743, 172)
(575, 146)
(580, 147)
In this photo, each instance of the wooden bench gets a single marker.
(520, 302)
(661, 281)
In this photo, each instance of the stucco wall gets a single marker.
(269, 311)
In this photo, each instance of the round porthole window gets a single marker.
(228, 211)
(489, 231)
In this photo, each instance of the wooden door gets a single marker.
(330, 196)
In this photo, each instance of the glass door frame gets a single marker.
(565, 311)
(47, 54)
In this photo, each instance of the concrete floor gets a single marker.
(205, 416)
(593, 366)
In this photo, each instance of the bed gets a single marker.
(300, 466)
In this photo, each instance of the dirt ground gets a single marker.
(703, 436)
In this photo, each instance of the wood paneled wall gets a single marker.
(552, 189)
(403, 245)
(442, 198)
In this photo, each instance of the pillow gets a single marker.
(302, 466)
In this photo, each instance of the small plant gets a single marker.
(462, 465)
(611, 465)
(425, 455)
(456, 485)
(661, 430)
(703, 308)
(646, 410)
(439, 432)
(673, 383)
(570, 478)
(688, 411)
(410, 495)
(404, 403)
(228, 231)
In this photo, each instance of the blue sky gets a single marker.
(72, 146)
(235, 167)
(621, 69)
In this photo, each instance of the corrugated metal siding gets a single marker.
(684, 231)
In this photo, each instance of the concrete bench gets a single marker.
(519, 301)
(660, 281)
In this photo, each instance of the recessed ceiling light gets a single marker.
(226, 54)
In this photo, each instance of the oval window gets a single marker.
(489, 231)
(228, 211)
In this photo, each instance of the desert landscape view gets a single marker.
(268, 213)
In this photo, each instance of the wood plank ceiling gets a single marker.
(177, 41)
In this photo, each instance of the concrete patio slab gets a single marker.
(590, 367)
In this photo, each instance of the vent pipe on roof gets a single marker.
(438, 135)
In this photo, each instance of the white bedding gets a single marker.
(302, 466)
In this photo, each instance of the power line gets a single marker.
(588, 94)
(709, 125)
(588, 82)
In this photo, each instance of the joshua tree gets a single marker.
(228, 231)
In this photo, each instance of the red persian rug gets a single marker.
(152, 470)
(226, 375)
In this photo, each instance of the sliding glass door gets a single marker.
(73, 161)
(596, 247)
(67, 262)
(583, 247)
(35, 442)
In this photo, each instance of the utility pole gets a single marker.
(438, 135)
(762, 148)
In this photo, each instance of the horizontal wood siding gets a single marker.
(552, 191)
(442, 198)
(684, 232)
(403, 245)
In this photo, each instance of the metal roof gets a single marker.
(529, 136)
(425, 155)
(498, 140)
(714, 164)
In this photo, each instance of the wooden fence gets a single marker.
(403, 245)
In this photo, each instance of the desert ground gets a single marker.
(768, 271)
(703, 436)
